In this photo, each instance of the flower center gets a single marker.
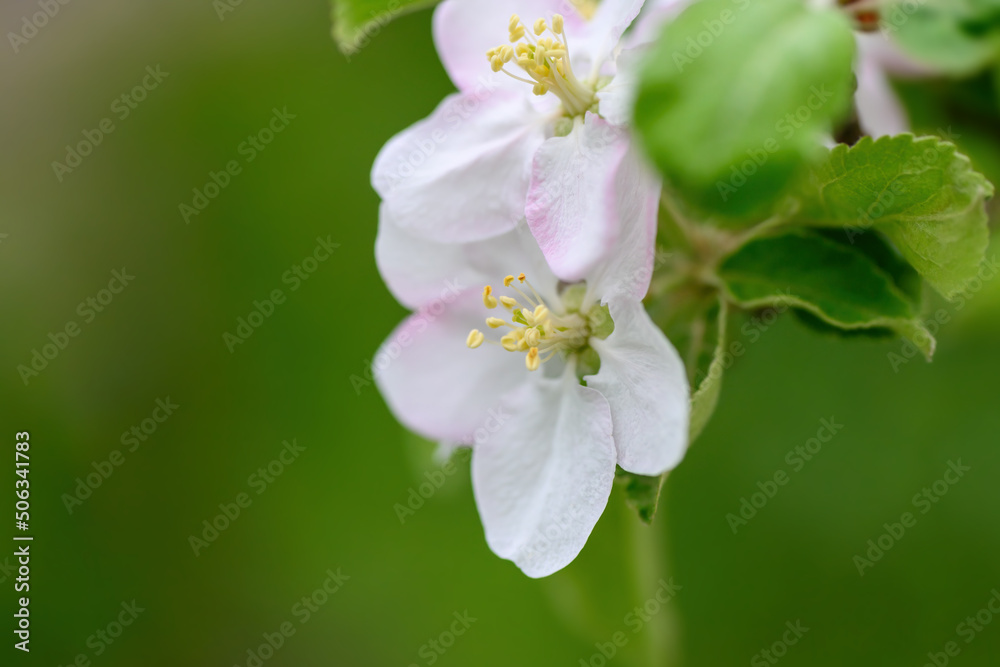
(545, 59)
(534, 328)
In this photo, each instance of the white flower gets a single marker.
(538, 126)
(544, 445)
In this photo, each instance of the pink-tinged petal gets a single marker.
(602, 32)
(419, 272)
(543, 479)
(880, 111)
(632, 198)
(568, 208)
(643, 379)
(461, 174)
(437, 386)
(464, 30)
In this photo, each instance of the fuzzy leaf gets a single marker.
(921, 194)
(840, 285)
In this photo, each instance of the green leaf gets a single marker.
(957, 36)
(356, 21)
(961, 111)
(735, 97)
(887, 258)
(642, 492)
(840, 285)
(921, 194)
(706, 395)
(819, 326)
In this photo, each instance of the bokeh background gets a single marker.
(301, 376)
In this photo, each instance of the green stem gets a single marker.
(673, 225)
(763, 228)
(661, 636)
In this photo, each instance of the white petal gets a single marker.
(880, 111)
(433, 383)
(419, 272)
(461, 174)
(543, 479)
(655, 14)
(464, 30)
(632, 198)
(568, 206)
(617, 99)
(602, 32)
(643, 379)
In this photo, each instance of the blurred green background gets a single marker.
(333, 506)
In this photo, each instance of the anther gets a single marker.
(488, 299)
(475, 339)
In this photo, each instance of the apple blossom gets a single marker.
(581, 379)
(537, 125)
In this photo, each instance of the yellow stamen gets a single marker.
(488, 299)
(510, 342)
(475, 339)
(532, 361)
(534, 327)
(546, 60)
